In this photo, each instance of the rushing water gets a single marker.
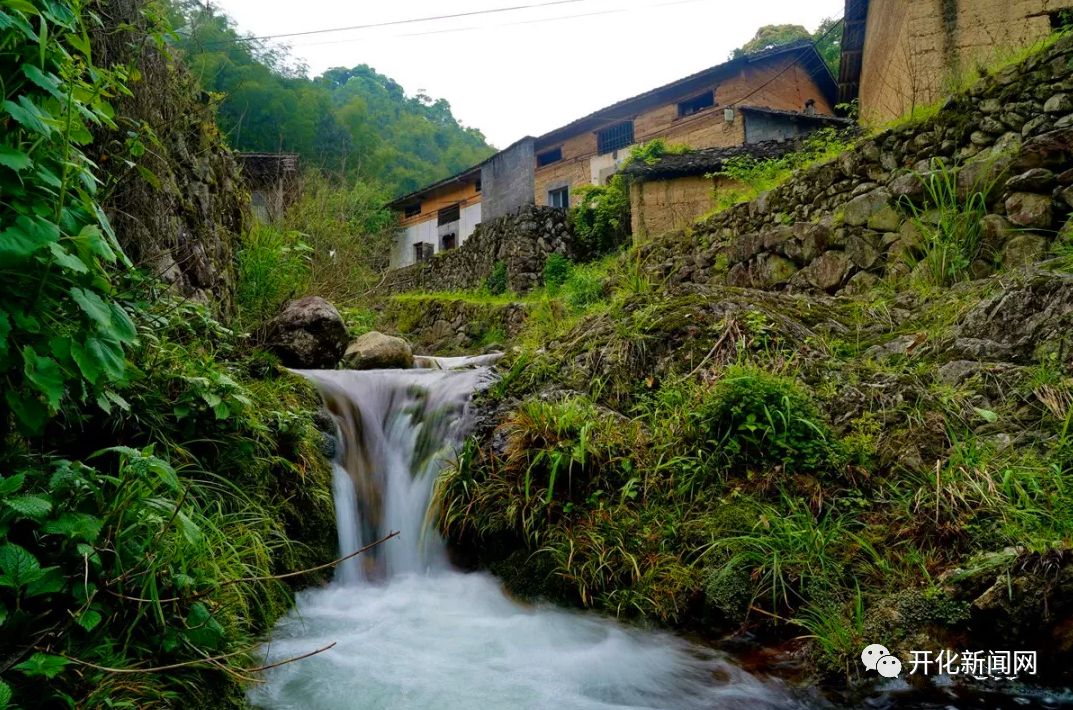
(413, 633)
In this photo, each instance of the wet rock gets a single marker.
(773, 270)
(1027, 209)
(907, 186)
(995, 231)
(1024, 250)
(1020, 318)
(862, 282)
(861, 209)
(1048, 150)
(827, 272)
(1034, 180)
(308, 333)
(862, 251)
(901, 345)
(376, 351)
(1059, 104)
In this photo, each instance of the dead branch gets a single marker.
(265, 578)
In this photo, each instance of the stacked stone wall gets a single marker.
(847, 223)
(521, 241)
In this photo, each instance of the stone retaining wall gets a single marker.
(846, 223)
(522, 241)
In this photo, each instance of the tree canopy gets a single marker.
(827, 38)
(353, 121)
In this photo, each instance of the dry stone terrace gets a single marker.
(842, 225)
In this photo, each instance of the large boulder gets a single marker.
(308, 333)
(376, 351)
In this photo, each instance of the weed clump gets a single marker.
(752, 418)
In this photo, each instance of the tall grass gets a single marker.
(950, 224)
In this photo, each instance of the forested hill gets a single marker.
(354, 121)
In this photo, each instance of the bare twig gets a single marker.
(208, 659)
(265, 578)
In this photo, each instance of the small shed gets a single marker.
(675, 190)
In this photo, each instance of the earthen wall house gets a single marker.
(902, 55)
(700, 111)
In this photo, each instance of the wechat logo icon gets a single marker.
(876, 657)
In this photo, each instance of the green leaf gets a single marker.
(987, 415)
(93, 306)
(27, 235)
(87, 362)
(67, 260)
(44, 374)
(30, 506)
(109, 355)
(18, 565)
(75, 526)
(51, 581)
(49, 82)
(202, 630)
(5, 689)
(122, 326)
(14, 158)
(89, 619)
(30, 413)
(29, 115)
(43, 664)
(12, 484)
(96, 243)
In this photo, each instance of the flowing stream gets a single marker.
(413, 633)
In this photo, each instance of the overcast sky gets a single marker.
(527, 71)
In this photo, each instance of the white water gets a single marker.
(411, 633)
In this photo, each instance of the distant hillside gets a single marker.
(355, 121)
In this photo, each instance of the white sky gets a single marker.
(525, 72)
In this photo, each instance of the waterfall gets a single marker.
(411, 633)
(396, 427)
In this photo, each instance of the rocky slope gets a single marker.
(840, 411)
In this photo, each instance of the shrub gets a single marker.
(557, 270)
(584, 287)
(754, 418)
(273, 266)
(496, 283)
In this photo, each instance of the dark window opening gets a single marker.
(559, 198)
(423, 251)
(1061, 19)
(448, 215)
(696, 104)
(549, 156)
(614, 137)
(411, 210)
(448, 241)
(478, 185)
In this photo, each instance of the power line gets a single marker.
(508, 24)
(409, 21)
(791, 64)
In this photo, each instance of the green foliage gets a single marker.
(496, 283)
(349, 232)
(754, 418)
(771, 36)
(273, 266)
(827, 38)
(950, 225)
(601, 221)
(352, 121)
(557, 270)
(63, 327)
(333, 242)
(754, 176)
(143, 527)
